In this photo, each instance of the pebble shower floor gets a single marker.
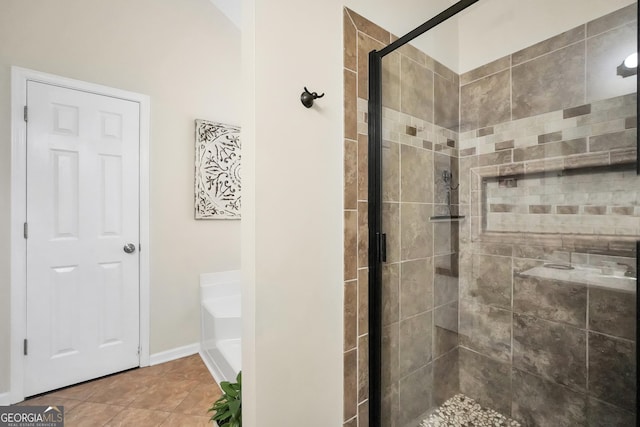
(462, 411)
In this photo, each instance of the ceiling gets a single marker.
(232, 9)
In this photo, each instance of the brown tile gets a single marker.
(446, 102)
(416, 232)
(199, 400)
(415, 394)
(350, 105)
(539, 209)
(549, 137)
(511, 169)
(427, 145)
(350, 245)
(551, 149)
(350, 315)
(551, 300)
(350, 44)
(411, 130)
(91, 414)
(350, 174)
(549, 45)
(363, 167)
(485, 131)
(391, 76)
(350, 384)
(485, 70)
(122, 391)
(612, 370)
(612, 20)
(545, 403)
(416, 348)
(485, 380)
(612, 313)
(390, 293)
(190, 368)
(391, 221)
(416, 287)
(496, 158)
(501, 207)
(351, 423)
(181, 420)
(138, 418)
(445, 72)
(485, 102)
(468, 152)
(622, 210)
(586, 160)
(416, 54)
(363, 414)
(619, 157)
(363, 235)
(595, 210)
(631, 122)
(554, 351)
(416, 90)
(363, 368)
(601, 414)
(365, 45)
(415, 183)
(612, 141)
(486, 330)
(576, 111)
(369, 28)
(567, 209)
(165, 396)
(550, 82)
(504, 145)
(363, 301)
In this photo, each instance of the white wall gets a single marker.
(492, 29)
(292, 214)
(185, 55)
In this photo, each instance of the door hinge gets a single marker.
(26, 114)
(25, 346)
(139, 349)
(25, 230)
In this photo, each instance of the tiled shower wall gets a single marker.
(541, 110)
(543, 351)
(420, 278)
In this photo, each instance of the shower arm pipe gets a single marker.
(436, 20)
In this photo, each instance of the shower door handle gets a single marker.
(382, 246)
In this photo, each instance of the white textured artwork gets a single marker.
(217, 171)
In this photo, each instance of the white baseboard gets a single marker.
(4, 399)
(174, 353)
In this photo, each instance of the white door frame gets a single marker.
(19, 78)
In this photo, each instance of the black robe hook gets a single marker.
(307, 97)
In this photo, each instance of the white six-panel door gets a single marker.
(82, 209)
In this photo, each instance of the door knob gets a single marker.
(129, 248)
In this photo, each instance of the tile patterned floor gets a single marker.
(176, 394)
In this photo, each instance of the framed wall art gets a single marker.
(217, 171)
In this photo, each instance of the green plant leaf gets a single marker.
(227, 388)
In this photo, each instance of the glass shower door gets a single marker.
(506, 210)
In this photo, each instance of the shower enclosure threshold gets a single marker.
(461, 410)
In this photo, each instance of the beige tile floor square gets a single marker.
(176, 393)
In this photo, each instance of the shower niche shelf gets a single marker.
(445, 218)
